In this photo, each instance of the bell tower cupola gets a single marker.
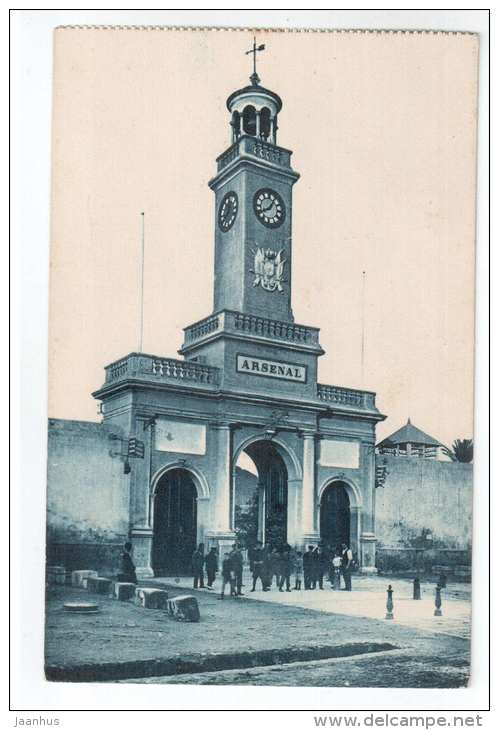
(254, 113)
(254, 109)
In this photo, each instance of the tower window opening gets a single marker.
(249, 120)
(265, 123)
(236, 125)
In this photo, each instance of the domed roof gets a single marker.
(255, 88)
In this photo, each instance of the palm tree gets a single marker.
(462, 450)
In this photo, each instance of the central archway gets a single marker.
(175, 523)
(266, 514)
(335, 518)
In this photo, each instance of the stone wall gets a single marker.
(424, 513)
(87, 496)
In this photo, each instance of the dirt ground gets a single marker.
(123, 632)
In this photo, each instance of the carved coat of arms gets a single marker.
(269, 269)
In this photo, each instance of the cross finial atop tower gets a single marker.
(254, 78)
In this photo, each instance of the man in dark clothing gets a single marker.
(211, 563)
(286, 567)
(127, 572)
(346, 566)
(227, 575)
(308, 567)
(237, 566)
(257, 561)
(266, 569)
(251, 555)
(197, 566)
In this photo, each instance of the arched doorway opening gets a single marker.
(261, 495)
(335, 515)
(175, 523)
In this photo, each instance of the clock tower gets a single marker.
(252, 330)
(253, 209)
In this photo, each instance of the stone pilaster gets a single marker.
(367, 552)
(308, 528)
(222, 533)
(261, 512)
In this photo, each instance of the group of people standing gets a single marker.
(291, 566)
(282, 564)
(232, 569)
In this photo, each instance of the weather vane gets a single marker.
(254, 78)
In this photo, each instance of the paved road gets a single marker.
(394, 669)
(368, 600)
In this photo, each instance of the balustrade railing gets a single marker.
(203, 328)
(227, 156)
(275, 329)
(247, 145)
(345, 396)
(237, 322)
(139, 366)
(184, 370)
(117, 369)
(268, 152)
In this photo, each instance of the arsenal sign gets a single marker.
(271, 368)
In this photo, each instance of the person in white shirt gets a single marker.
(335, 582)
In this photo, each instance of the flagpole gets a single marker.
(362, 347)
(141, 336)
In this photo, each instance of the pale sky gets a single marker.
(382, 128)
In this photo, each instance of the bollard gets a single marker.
(438, 602)
(416, 590)
(389, 603)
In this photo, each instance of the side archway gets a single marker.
(175, 496)
(339, 504)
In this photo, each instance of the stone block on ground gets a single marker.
(98, 585)
(151, 598)
(123, 591)
(56, 574)
(184, 608)
(79, 577)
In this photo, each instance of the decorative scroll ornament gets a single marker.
(269, 269)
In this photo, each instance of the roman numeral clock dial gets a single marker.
(269, 208)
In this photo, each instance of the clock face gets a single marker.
(269, 207)
(228, 211)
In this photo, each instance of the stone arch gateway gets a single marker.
(246, 379)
